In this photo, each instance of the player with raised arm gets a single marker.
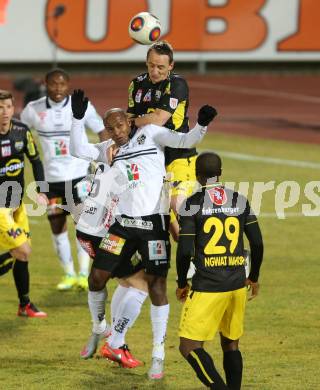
(15, 245)
(161, 97)
(140, 219)
(51, 117)
(213, 223)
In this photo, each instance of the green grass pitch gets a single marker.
(280, 347)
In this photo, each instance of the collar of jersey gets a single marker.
(50, 103)
(10, 127)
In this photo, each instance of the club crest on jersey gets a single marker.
(158, 95)
(18, 145)
(141, 139)
(42, 115)
(132, 172)
(173, 103)
(6, 151)
(217, 195)
(61, 148)
(147, 96)
(138, 96)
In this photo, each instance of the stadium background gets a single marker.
(257, 62)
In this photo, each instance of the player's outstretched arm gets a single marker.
(79, 145)
(175, 139)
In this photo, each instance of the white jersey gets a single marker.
(136, 178)
(52, 121)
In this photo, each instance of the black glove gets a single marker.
(79, 103)
(206, 114)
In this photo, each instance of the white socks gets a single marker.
(159, 319)
(129, 307)
(62, 246)
(117, 296)
(97, 304)
(83, 260)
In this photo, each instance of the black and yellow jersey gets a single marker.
(171, 95)
(14, 145)
(215, 220)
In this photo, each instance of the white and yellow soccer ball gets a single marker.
(145, 28)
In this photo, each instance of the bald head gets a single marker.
(117, 124)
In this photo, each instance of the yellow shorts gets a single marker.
(205, 313)
(14, 228)
(181, 173)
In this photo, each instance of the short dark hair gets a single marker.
(162, 47)
(208, 165)
(58, 71)
(5, 95)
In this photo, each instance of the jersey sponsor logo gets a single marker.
(5, 141)
(136, 223)
(157, 250)
(6, 151)
(157, 95)
(112, 244)
(60, 148)
(224, 210)
(138, 96)
(132, 172)
(173, 103)
(14, 233)
(141, 139)
(147, 96)
(19, 145)
(42, 115)
(87, 246)
(12, 168)
(217, 195)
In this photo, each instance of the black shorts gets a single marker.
(66, 194)
(148, 235)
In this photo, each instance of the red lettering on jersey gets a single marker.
(245, 28)
(69, 30)
(217, 195)
(307, 36)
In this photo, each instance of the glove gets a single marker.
(79, 103)
(206, 114)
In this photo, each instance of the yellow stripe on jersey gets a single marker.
(195, 356)
(30, 145)
(249, 223)
(187, 234)
(178, 115)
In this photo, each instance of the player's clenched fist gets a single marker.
(206, 114)
(182, 293)
(79, 103)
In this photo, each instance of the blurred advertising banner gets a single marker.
(199, 30)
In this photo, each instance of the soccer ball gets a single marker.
(145, 28)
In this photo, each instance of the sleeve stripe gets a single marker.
(249, 223)
(186, 234)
